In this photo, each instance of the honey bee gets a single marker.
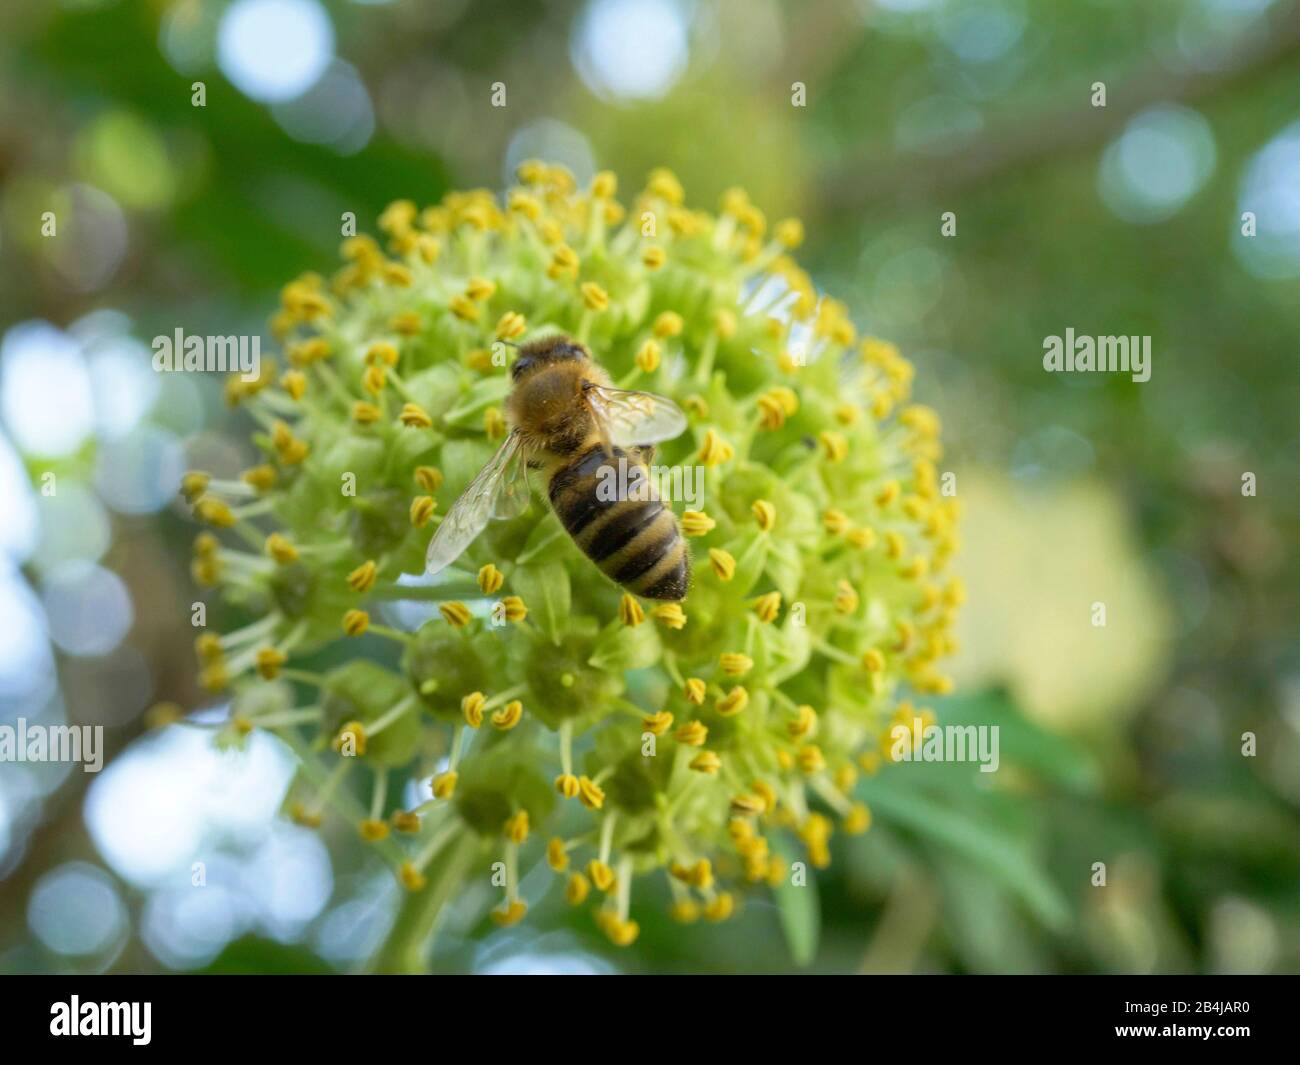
(568, 421)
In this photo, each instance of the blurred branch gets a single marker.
(1060, 130)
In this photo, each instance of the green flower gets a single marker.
(709, 742)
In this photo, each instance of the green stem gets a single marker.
(407, 948)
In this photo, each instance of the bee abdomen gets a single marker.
(635, 542)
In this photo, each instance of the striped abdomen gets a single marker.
(634, 541)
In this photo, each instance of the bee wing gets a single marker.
(487, 496)
(512, 500)
(626, 418)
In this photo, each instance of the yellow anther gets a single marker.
(915, 568)
(406, 821)
(214, 512)
(444, 784)
(657, 724)
(663, 183)
(508, 716)
(789, 233)
(767, 793)
(857, 820)
(516, 827)
(355, 622)
(407, 324)
(194, 484)
(208, 647)
(556, 856)
(835, 521)
(685, 911)
(653, 257)
(692, 734)
(804, 723)
(697, 523)
(604, 185)
(494, 423)
(594, 298)
(514, 608)
(480, 288)
(397, 274)
(351, 735)
(362, 579)
(724, 323)
(721, 907)
(269, 660)
(670, 614)
(701, 875)
(279, 547)
(576, 889)
(490, 579)
(846, 598)
(364, 413)
(695, 691)
(894, 545)
(601, 875)
(715, 450)
(513, 913)
(647, 357)
(735, 664)
(834, 446)
(415, 417)
(667, 324)
(768, 606)
(429, 478)
(954, 592)
(764, 514)
(294, 382)
(428, 248)
(567, 785)
(745, 804)
(381, 353)
(590, 794)
(722, 563)
(564, 263)
(511, 324)
(373, 830)
(863, 538)
(455, 613)
(811, 759)
(412, 879)
(302, 816)
(629, 611)
(421, 510)
(706, 762)
(771, 415)
(733, 702)
(471, 706)
(464, 308)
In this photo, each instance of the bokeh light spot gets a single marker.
(631, 49)
(1158, 163)
(274, 50)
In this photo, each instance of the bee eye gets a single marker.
(521, 364)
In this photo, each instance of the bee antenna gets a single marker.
(509, 343)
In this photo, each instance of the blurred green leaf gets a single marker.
(801, 919)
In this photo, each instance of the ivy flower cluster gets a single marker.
(706, 744)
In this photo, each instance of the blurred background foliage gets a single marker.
(1120, 744)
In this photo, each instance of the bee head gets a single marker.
(550, 349)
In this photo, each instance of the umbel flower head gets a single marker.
(706, 744)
